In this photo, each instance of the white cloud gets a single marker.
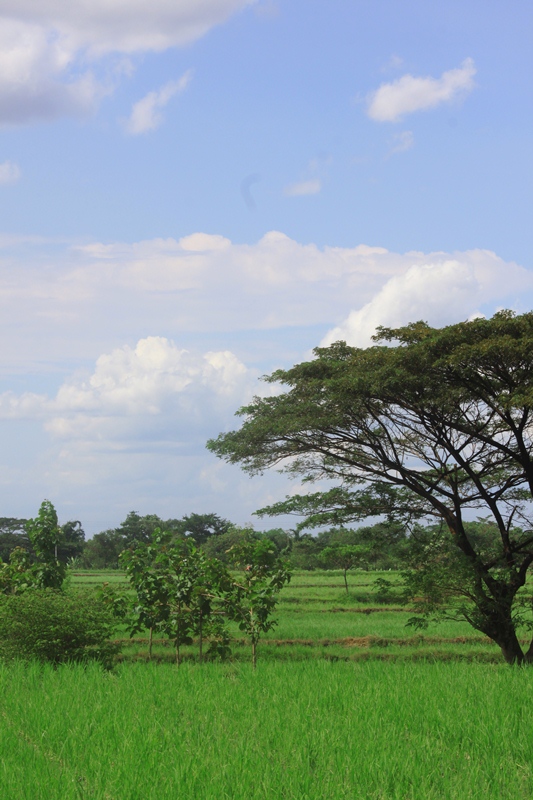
(152, 387)
(9, 173)
(80, 302)
(127, 427)
(441, 291)
(407, 94)
(47, 48)
(312, 186)
(146, 113)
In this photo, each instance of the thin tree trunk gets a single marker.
(201, 640)
(150, 640)
(178, 639)
(254, 653)
(346, 580)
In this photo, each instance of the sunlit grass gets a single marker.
(296, 730)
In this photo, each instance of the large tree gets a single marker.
(428, 423)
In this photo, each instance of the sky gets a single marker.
(196, 192)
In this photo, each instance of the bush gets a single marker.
(54, 626)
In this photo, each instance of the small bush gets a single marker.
(54, 626)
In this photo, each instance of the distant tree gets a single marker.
(345, 557)
(13, 534)
(221, 546)
(103, 550)
(201, 527)
(305, 552)
(72, 541)
(138, 529)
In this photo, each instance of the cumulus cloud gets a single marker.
(9, 173)
(49, 50)
(146, 113)
(152, 387)
(408, 94)
(441, 290)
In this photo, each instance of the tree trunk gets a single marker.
(150, 640)
(178, 639)
(254, 653)
(346, 580)
(510, 647)
(201, 640)
(501, 629)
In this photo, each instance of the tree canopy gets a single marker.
(426, 424)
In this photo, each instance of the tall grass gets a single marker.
(301, 731)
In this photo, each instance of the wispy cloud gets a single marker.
(401, 142)
(146, 113)
(9, 173)
(408, 94)
(312, 186)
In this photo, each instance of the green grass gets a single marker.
(318, 619)
(301, 731)
(346, 703)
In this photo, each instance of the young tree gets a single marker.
(45, 536)
(345, 557)
(253, 596)
(438, 426)
(151, 606)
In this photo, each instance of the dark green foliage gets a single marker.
(72, 541)
(46, 625)
(438, 427)
(103, 550)
(202, 527)
(12, 534)
(219, 547)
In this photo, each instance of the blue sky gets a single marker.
(194, 192)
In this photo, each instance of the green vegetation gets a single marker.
(350, 699)
(59, 627)
(435, 428)
(310, 730)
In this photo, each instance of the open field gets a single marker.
(346, 702)
(318, 619)
(300, 731)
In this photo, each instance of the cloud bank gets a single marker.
(78, 301)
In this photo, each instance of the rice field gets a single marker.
(346, 702)
(317, 618)
(301, 731)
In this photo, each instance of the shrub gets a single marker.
(48, 625)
